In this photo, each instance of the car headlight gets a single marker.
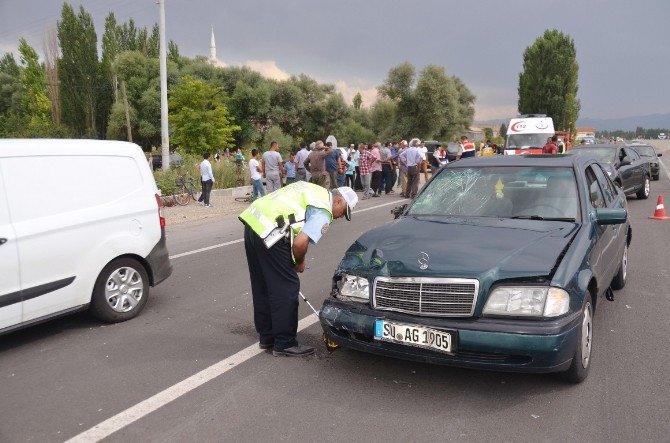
(527, 301)
(354, 288)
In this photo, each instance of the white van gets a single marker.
(80, 226)
(527, 134)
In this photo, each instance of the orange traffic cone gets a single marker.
(659, 213)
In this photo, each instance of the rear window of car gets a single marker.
(501, 191)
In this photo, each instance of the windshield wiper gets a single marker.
(539, 217)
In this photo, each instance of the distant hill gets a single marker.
(606, 124)
(627, 123)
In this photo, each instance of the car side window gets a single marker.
(608, 191)
(595, 193)
(632, 154)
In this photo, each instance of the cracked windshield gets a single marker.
(507, 192)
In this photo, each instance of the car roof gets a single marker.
(522, 160)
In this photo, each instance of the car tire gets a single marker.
(619, 280)
(643, 193)
(121, 291)
(581, 361)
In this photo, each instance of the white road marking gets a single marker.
(143, 408)
(665, 168)
(208, 248)
(239, 240)
(151, 404)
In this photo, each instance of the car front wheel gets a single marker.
(620, 278)
(581, 361)
(121, 291)
(643, 193)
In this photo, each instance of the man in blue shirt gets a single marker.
(333, 164)
(290, 167)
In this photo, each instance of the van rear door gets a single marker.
(11, 304)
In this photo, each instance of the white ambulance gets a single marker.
(527, 134)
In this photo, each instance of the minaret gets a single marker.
(212, 48)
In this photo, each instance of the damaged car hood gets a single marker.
(483, 248)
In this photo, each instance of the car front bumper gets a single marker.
(494, 344)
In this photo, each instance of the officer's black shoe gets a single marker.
(266, 344)
(295, 351)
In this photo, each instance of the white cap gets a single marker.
(350, 197)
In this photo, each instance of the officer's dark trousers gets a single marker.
(274, 286)
(387, 180)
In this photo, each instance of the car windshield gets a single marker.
(603, 155)
(645, 151)
(502, 191)
(525, 141)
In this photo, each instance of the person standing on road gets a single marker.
(332, 164)
(256, 173)
(315, 164)
(290, 167)
(273, 169)
(364, 162)
(206, 178)
(300, 173)
(550, 147)
(349, 175)
(273, 269)
(358, 186)
(412, 157)
(376, 170)
(387, 180)
(402, 167)
(467, 147)
(424, 163)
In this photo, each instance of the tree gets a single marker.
(79, 71)
(358, 101)
(548, 83)
(36, 104)
(275, 134)
(503, 130)
(50, 42)
(488, 133)
(199, 118)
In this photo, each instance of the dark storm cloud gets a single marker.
(621, 44)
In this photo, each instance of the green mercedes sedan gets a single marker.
(499, 263)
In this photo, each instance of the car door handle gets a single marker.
(3, 241)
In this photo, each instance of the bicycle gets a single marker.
(246, 199)
(184, 191)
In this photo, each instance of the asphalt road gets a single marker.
(65, 377)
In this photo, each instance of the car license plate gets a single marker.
(413, 335)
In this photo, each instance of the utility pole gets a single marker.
(162, 55)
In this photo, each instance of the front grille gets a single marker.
(442, 297)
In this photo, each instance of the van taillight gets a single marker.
(160, 211)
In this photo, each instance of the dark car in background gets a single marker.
(623, 165)
(497, 264)
(649, 153)
(157, 160)
(451, 148)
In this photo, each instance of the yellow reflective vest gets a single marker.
(261, 215)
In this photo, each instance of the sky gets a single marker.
(622, 45)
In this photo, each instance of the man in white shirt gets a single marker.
(301, 173)
(207, 179)
(424, 165)
(412, 157)
(256, 175)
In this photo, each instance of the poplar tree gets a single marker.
(548, 84)
(79, 72)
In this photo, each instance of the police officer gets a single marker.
(278, 229)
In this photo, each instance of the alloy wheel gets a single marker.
(624, 262)
(587, 336)
(646, 186)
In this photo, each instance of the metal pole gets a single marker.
(165, 138)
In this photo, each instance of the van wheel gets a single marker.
(121, 291)
(644, 192)
(581, 361)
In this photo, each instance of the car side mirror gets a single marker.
(659, 155)
(615, 216)
(625, 161)
(398, 210)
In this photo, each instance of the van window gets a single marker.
(49, 185)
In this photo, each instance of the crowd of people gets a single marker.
(373, 169)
